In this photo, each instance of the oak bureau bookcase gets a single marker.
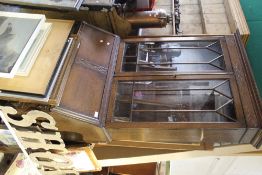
(175, 90)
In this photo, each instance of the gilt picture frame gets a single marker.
(17, 34)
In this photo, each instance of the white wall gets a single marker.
(218, 166)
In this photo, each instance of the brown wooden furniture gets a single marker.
(136, 169)
(161, 90)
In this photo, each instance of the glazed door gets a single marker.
(175, 101)
(175, 56)
(175, 82)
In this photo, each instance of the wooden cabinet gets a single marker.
(172, 90)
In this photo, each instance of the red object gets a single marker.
(151, 4)
(20, 163)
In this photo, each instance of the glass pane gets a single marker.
(187, 56)
(123, 101)
(174, 101)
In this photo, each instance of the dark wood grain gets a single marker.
(86, 92)
(243, 89)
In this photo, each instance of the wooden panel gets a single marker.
(156, 135)
(232, 136)
(83, 93)
(96, 46)
(156, 145)
(106, 151)
(91, 133)
(45, 63)
(138, 169)
(86, 91)
(256, 99)
(244, 87)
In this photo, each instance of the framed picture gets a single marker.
(17, 34)
(46, 67)
(34, 51)
(60, 4)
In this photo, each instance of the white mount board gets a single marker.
(17, 33)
